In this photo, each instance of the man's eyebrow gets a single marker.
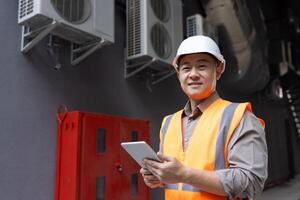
(184, 63)
(202, 60)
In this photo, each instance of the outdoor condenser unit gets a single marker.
(87, 24)
(197, 25)
(154, 32)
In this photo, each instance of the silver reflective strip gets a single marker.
(163, 131)
(223, 131)
(187, 187)
(172, 186)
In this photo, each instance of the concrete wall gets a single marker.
(31, 92)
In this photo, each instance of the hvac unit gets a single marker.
(194, 25)
(197, 25)
(87, 24)
(154, 32)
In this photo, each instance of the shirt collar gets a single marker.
(201, 107)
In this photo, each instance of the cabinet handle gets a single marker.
(119, 167)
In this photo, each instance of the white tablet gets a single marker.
(140, 150)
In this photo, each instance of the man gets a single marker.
(212, 149)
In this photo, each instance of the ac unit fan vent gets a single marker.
(161, 9)
(191, 27)
(26, 8)
(74, 11)
(134, 28)
(161, 41)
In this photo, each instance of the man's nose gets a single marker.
(194, 73)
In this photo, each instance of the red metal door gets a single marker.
(133, 187)
(100, 146)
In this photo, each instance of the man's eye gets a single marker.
(202, 67)
(185, 68)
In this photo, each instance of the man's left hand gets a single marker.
(170, 170)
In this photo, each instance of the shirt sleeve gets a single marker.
(248, 160)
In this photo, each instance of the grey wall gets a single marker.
(31, 92)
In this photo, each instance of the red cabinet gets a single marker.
(91, 164)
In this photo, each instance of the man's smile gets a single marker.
(195, 84)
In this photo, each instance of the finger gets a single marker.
(153, 185)
(164, 157)
(152, 164)
(145, 171)
(152, 182)
(151, 177)
(154, 171)
(143, 164)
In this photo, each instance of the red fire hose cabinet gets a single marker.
(91, 164)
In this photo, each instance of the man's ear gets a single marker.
(219, 70)
(176, 68)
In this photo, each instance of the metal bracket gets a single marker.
(31, 37)
(53, 50)
(135, 68)
(80, 52)
(158, 77)
(152, 76)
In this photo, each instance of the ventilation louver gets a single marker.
(26, 7)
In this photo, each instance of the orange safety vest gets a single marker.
(207, 149)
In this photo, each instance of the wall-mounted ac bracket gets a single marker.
(143, 68)
(30, 37)
(81, 51)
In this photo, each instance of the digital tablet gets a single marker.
(140, 150)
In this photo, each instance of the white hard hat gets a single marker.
(198, 44)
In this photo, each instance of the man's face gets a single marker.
(198, 74)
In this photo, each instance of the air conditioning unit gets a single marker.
(197, 25)
(194, 25)
(154, 32)
(88, 24)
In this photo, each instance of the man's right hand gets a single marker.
(149, 179)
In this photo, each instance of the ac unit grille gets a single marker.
(25, 8)
(161, 41)
(191, 27)
(134, 27)
(74, 11)
(161, 9)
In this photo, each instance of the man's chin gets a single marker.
(198, 96)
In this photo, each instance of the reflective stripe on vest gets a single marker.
(164, 130)
(223, 131)
(172, 186)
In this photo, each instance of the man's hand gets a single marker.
(149, 179)
(170, 170)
